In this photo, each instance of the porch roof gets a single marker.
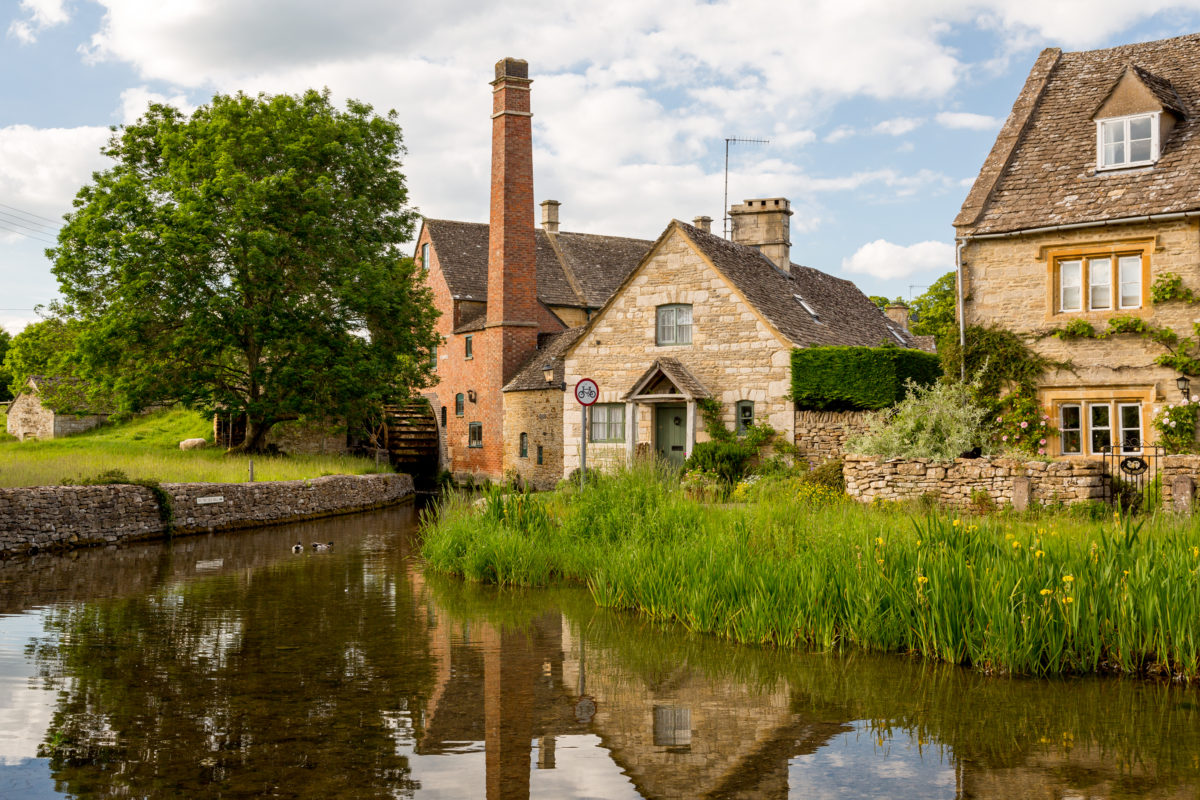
(689, 387)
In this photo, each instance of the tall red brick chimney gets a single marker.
(512, 256)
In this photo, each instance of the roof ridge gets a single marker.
(568, 270)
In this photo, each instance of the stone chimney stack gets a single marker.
(897, 313)
(550, 215)
(512, 302)
(703, 223)
(764, 224)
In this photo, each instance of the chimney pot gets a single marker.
(765, 227)
(703, 223)
(550, 215)
(512, 68)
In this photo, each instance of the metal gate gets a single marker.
(1131, 473)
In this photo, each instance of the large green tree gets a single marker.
(5, 375)
(247, 258)
(933, 312)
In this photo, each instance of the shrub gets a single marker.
(858, 377)
(828, 475)
(1020, 426)
(727, 459)
(941, 421)
(1176, 426)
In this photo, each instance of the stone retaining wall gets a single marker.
(46, 517)
(1178, 476)
(1007, 481)
(821, 435)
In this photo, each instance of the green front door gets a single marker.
(670, 433)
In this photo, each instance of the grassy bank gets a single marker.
(148, 448)
(802, 566)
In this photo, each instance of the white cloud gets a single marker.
(898, 126)
(839, 133)
(135, 101)
(882, 259)
(967, 121)
(41, 169)
(42, 14)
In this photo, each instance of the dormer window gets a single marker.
(1127, 141)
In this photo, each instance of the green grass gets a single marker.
(147, 448)
(1043, 594)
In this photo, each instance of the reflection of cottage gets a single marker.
(1089, 196)
(31, 418)
(702, 317)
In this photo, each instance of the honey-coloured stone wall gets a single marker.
(821, 435)
(539, 415)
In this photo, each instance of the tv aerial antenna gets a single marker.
(725, 205)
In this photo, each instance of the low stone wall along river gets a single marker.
(50, 517)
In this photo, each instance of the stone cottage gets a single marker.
(30, 418)
(508, 293)
(1089, 199)
(704, 317)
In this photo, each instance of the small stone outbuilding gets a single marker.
(31, 418)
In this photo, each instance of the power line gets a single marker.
(13, 219)
(4, 227)
(30, 214)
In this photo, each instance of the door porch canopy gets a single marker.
(667, 381)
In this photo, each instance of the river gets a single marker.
(227, 666)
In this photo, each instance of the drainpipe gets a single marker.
(962, 310)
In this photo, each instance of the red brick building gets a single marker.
(508, 294)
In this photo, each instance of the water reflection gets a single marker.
(227, 666)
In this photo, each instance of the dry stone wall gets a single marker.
(821, 435)
(51, 517)
(1006, 481)
(1177, 475)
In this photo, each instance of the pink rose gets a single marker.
(1024, 424)
(1041, 441)
(999, 420)
(1004, 438)
(1041, 451)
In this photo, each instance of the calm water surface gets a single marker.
(225, 666)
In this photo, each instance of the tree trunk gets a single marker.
(256, 437)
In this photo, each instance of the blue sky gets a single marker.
(879, 113)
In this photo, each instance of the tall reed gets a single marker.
(1038, 595)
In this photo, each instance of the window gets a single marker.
(524, 449)
(608, 422)
(1070, 426)
(1127, 141)
(1101, 281)
(1108, 424)
(475, 434)
(458, 405)
(468, 347)
(745, 415)
(443, 416)
(674, 325)
(539, 454)
(425, 256)
(433, 357)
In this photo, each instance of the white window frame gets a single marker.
(1093, 428)
(667, 319)
(1106, 288)
(1135, 261)
(425, 256)
(1062, 283)
(1124, 122)
(1063, 429)
(1121, 429)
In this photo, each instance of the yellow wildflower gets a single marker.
(1068, 578)
(1068, 600)
(957, 522)
(1016, 545)
(1047, 591)
(1039, 554)
(1196, 552)
(918, 542)
(922, 580)
(879, 541)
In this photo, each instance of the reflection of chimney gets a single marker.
(703, 223)
(897, 313)
(764, 224)
(550, 215)
(512, 273)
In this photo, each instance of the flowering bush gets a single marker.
(1020, 426)
(940, 421)
(1176, 426)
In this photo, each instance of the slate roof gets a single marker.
(1042, 169)
(573, 269)
(841, 313)
(551, 347)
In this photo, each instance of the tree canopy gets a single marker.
(933, 312)
(5, 375)
(47, 348)
(246, 259)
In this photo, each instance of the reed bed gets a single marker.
(1040, 594)
(147, 448)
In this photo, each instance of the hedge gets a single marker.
(855, 378)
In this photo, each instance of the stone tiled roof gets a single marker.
(573, 269)
(1042, 170)
(551, 346)
(674, 370)
(837, 312)
(473, 320)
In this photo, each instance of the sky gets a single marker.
(878, 113)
